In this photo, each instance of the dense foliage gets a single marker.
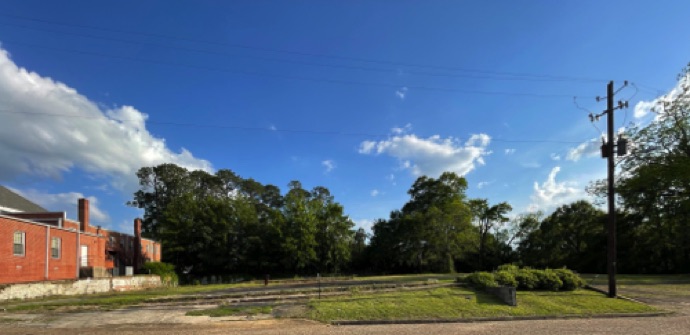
(213, 224)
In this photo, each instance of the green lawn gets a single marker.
(448, 303)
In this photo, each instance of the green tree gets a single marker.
(487, 218)
(571, 236)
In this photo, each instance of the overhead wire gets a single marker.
(496, 76)
(266, 129)
(302, 53)
(301, 78)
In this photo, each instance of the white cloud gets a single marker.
(63, 202)
(643, 108)
(552, 193)
(272, 127)
(590, 148)
(374, 192)
(555, 157)
(401, 93)
(482, 184)
(112, 143)
(509, 151)
(434, 155)
(364, 223)
(329, 165)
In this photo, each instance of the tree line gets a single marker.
(222, 223)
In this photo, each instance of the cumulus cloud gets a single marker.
(401, 93)
(374, 192)
(49, 129)
(433, 155)
(590, 148)
(482, 184)
(643, 108)
(509, 151)
(552, 193)
(60, 201)
(329, 165)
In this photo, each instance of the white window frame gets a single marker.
(22, 243)
(55, 247)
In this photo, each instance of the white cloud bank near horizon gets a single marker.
(49, 129)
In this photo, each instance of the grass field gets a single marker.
(449, 303)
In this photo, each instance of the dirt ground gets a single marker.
(172, 320)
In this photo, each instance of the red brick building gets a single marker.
(38, 245)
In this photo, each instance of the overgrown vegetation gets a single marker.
(164, 270)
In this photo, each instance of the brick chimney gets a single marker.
(137, 228)
(138, 259)
(83, 214)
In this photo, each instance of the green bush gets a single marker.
(481, 280)
(526, 279)
(505, 278)
(164, 270)
(571, 281)
(512, 268)
(548, 280)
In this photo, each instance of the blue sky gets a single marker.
(359, 96)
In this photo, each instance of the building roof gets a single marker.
(13, 202)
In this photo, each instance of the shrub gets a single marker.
(481, 280)
(508, 267)
(548, 280)
(571, 281)
(505, 278)
(164, 270)
(526, 279)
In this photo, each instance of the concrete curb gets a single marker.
(502, 318)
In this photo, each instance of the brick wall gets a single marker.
(104, 249)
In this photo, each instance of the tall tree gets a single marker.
(487, 217)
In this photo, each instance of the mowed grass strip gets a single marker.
(456, 303)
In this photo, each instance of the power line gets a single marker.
(290, 77)
(505, 77)
(308, 54)
(266, 129)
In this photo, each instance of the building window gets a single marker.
(19, 243)
(84, 255)
(55, 247)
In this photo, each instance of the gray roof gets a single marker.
(15, 201)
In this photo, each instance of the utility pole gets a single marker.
(609, 150)
(612, 201)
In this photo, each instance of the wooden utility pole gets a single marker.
(611, 194)
(610, 150)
